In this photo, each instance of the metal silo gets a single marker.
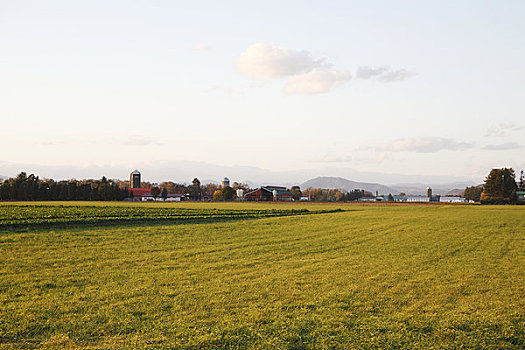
(134, 179)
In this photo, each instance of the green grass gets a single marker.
(26, 215)
(368, 277)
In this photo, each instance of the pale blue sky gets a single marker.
(136, 82)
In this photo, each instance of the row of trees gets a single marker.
(334, 195)
(218, 193)
(31, 188)
(198, 191)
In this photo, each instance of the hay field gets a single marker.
(387, 276)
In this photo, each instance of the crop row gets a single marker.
(30, 215)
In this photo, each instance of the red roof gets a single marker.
(140, 191)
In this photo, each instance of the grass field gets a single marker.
(51, 216)
(412, 276)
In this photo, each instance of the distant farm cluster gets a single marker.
(224, 191)
(505, 191)
(500, 187)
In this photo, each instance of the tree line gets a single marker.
(25, 187)
(197, 191)
(331, 195)
(31, 188)
(500, 187)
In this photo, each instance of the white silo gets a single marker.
(240, 193)
(225, 182)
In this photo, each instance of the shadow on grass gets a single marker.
(149, 221)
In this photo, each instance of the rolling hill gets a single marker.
(347, 185)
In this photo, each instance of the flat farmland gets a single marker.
(261, 276)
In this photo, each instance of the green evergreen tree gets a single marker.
(500, 187)
(155, 192)
(473, 193)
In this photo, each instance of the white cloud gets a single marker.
(202, 48)
(264, 61)
(316, 82)
(503, 146)
(306, 74)
(423, 145)
(384, 74)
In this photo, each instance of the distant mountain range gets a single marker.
(455, 192)
(451, 189)
(185, 171)
(347, 185)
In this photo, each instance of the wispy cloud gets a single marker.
(202, 48)
(224, 89)
(138, 140)
(384, 74)
(316, 81)
(422, 145)
(357, 158)
(333, 159)
(503, 146)
(503, 128)
(50, 143)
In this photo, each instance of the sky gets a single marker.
(404, 87)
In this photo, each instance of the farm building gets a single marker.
(140, 192)
(452, 199)
(396, 198)
(367, 199)
(269, 193)
(171, 198)
(420, 199)
(427, 198)
(144, 195)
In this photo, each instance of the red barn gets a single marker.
(269, 193)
